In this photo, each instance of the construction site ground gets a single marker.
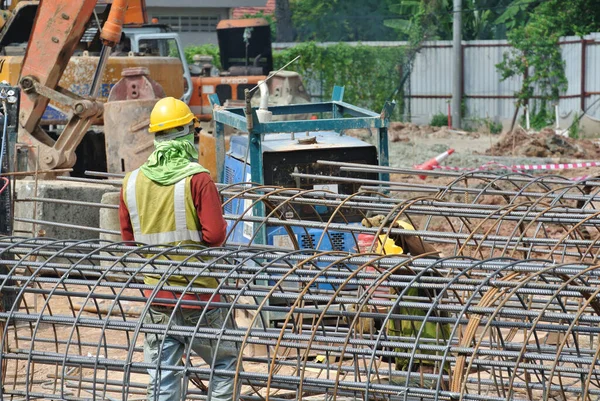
(411, 145)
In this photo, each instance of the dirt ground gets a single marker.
(544, 144)
(411, 145)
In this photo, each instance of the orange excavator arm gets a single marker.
(136, 13)
(58, 28)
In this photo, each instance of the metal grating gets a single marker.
(307, 241)
(229, 175)
(91, 32)
(190, 23)
(337, 241)
(229, 178)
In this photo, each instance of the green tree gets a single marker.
(535, 54)
(341, 20)
(482, 19)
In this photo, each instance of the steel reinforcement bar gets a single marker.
(306, 324)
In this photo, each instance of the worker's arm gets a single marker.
(125, 220)
(208, 206)
(411, 245)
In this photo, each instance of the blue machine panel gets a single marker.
(54, 115)
(242, 233)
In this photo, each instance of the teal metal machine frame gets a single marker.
(246, 120)
(240, 119)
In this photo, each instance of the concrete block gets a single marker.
(109, 218)
(67, 214)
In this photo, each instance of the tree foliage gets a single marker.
(482, 19)
(536, 56)
(368, 73)
(380, 20)
(207, 49)
(341, 20)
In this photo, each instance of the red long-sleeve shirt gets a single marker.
(208, 206)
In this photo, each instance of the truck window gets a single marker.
(159, 48)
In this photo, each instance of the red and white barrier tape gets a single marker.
(525, 167)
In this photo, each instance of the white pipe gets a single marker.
(264, 95)
(263, 113)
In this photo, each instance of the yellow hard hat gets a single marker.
(389, 246)
(405, 225)
(169, 113)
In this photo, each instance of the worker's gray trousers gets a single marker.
(167, 384)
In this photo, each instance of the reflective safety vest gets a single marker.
(165, 215)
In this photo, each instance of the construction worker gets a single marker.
(433, 333)
(172, 200)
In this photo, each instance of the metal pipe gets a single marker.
(69, 202)
(479, 174)
(65, 225)
(457, 58)
(394, 186)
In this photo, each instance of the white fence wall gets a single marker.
(486, 95)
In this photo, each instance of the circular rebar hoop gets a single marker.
(308, 323)
(550, 225)
(506, 306)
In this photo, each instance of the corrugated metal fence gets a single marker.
(486, 95)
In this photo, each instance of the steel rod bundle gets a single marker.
(308, 323)
(505, 305)
(479, 214)
(483, 226)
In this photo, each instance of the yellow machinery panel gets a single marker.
(167, 71)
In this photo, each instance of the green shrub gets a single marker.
(540, 116)
(207, 49)
(369, 74)
(494, 127)
(574, 128)
(439, 120)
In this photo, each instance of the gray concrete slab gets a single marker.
(74, 215)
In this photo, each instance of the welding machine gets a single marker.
(273, 150)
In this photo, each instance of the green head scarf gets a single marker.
(171, 161)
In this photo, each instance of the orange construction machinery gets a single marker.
(67, 56)
(57, 31)
(91, 71)
(246, 59)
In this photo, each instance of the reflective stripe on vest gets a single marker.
(181, 233)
